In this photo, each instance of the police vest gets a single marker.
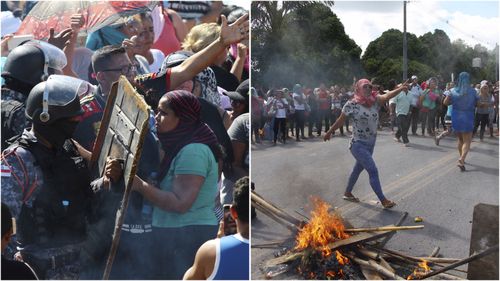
(9, 108)
(58, 215)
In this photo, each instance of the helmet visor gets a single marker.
(54, 57)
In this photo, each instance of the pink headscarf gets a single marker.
(359, 96)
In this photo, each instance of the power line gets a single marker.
(446, 21)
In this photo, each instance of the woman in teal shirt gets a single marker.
(428, 102)
(183, 216)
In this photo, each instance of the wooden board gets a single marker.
(355, 239)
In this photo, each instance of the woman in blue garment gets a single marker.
(464, 99)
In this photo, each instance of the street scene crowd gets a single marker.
(187, 215)
(432, 109)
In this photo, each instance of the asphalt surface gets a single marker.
(422, 179)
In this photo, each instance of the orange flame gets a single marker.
(323, 228)
(340, 258)
(422, 269)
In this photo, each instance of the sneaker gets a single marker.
(436, 140)
(396, 139)
(407, 144)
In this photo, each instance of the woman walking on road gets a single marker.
(363, 110)
(463, 98)
(428, 102)
(484, 107)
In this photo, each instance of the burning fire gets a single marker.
(422, 269)
(322, 229)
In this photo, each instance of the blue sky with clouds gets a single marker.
(472, 21)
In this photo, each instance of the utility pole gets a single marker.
(496, 61)
(405, 46)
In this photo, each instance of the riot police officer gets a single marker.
(47, 184)
(26, 66)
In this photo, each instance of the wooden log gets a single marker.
(258, 199)
(415, 261)
(386, 265)
(375, 256)
(438, 260)
(369, 273)
(277, 219)
(384, 228)
(355, 239)
(419, 259)
(398, 223)
(276, 212)
(461, 262)
(388, 237)
(370, 254)
(279, 212)
(373, 265)
(435, 252)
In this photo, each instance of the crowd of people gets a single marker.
(275, 117)
(458, 108)
(189, 61)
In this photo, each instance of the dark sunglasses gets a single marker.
(366, 86)
(124, 70)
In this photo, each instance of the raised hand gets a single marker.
(77, 20)
(132, 46)
(4, 44)
(242, 50)
(60, 39)
(235, 32)
(405, 85)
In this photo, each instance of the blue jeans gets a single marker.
(363, 152)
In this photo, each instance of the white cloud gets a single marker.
(474, 29)
(365, 25)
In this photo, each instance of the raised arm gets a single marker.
(382, 99)
(229, 34)
(239, 62)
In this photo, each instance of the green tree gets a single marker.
(431, 54)
(309, 47)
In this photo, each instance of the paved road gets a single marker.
(423, 179)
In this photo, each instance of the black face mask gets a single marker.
(58, 132)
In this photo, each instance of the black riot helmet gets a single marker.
(55, 99)
(33, 61)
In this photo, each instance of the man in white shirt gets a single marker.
(415, 92)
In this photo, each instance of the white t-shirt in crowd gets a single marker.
(299, 106)
(158, 57)
(415, 92)
(280, 108)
